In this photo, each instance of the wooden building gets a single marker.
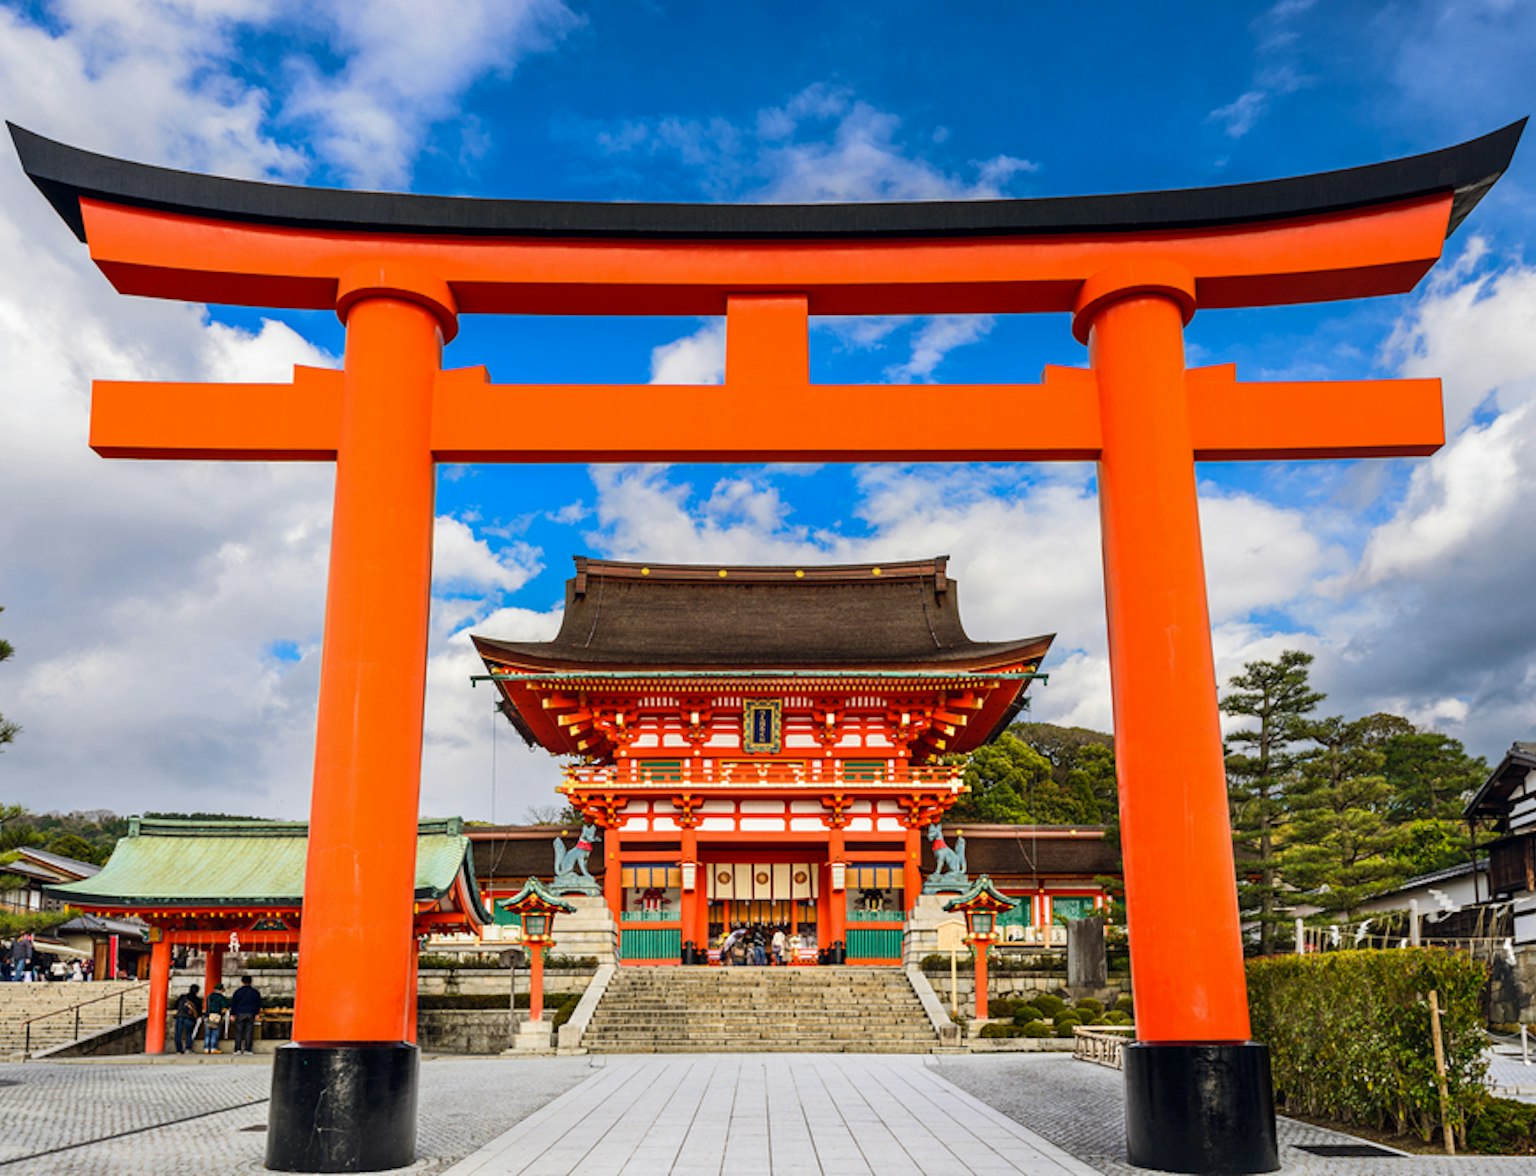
(768, 745)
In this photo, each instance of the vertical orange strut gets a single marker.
(613, 873)
(213, 969)
(159, 995)
(979, 947)
(1177, 839)
(359, 884)
(837, 906)
(689, 912)
(911, 875)
(412, 984)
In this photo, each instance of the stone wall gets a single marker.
(431, 981)
(1512, 988)
(1019, 986)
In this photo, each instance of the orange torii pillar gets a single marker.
(1130, 269)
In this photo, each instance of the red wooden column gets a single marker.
(837, 906)
(1191, 1004)
(213, 968)
(360, 874)
(613, 874)
(412, 988)
(159, 994)
(911, 861)
(689, 912)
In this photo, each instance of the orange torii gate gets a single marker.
(1130, 269)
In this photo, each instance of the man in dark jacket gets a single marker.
(21, 957)
(189, 1010)
(243, 1007)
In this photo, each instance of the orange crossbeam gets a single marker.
(476, 421)
(1056, 420)
(300, 421)
(1232, 421)
(1357, 253)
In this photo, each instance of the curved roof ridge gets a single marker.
(66, 174)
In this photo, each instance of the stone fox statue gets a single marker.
(574, 860)
(946, 860)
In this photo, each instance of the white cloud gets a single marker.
(1473, 327)
(147, 600)
(698, 358)
(403, 68)
(1276, 70)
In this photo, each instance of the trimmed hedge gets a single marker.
(1349, 1035)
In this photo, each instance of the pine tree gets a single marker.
(1262, 762)
(1342, 843)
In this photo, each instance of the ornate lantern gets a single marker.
(537, 905)
(981, 905)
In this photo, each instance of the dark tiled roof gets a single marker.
(869, 616)
(1492, 800)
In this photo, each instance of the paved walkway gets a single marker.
(726, 1115)
(842, 1115)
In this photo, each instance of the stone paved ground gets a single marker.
(1509, 1076)
(200, 1115)
(117, 1118)
(1080, 1108)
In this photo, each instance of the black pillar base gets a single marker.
(342, 1107)
(1206, 1108)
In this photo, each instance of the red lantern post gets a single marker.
(981, 905)
(537, 905)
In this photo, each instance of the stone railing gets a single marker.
(1101, 1044)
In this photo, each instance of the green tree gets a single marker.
(72, 845)
(1262, 762)
(8, 731)
(1342, 840)
(16, 828)
(1082, 764)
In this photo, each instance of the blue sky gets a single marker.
(167, 617)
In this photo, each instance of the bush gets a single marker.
(1090, 1007)
(1048, 1004)
(1027, 1015)
(1501, 1127)
(1034, 1010)
(574, 963)
(1064, 1029)
(469, 960)
(1003, 1006)
(564, 1010)
(1116, 1017)
(479, 1000)
(1037, 1029)
(1349, 1035)
(996, 1030)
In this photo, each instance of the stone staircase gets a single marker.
(18, 1002)
(759, 1010)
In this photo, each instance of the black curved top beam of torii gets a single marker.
(64, 174)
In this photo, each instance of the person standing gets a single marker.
(780, 943)
(188, 1009)
(21, 958)
(243, 1007)
(214, 1026)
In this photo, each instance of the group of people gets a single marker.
(193, 1019)
(20, 963)
(759, 945)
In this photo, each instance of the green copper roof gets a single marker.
(542, 896)
(256, 863)
(982, 894)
